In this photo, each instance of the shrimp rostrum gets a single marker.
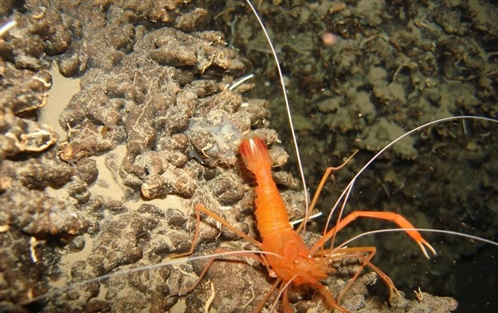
(285, 254)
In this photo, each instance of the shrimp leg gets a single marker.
(359, 252)
(319, 189)
(388, 216)
(200, 208)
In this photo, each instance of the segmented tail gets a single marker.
(255, 154)
(273, 221)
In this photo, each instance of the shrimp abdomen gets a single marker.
(255, 154)
(271, 213)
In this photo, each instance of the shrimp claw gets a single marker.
(388, 216)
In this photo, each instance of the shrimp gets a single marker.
(290, 259)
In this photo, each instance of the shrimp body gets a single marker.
(290, 260)
(295, 262)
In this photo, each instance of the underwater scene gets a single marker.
(122, 187)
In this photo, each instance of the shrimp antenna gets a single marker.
(287, 105)
(345, 194)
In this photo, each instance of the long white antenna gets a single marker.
(345, 194)
(287, 105)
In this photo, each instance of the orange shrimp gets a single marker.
(295, 262)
